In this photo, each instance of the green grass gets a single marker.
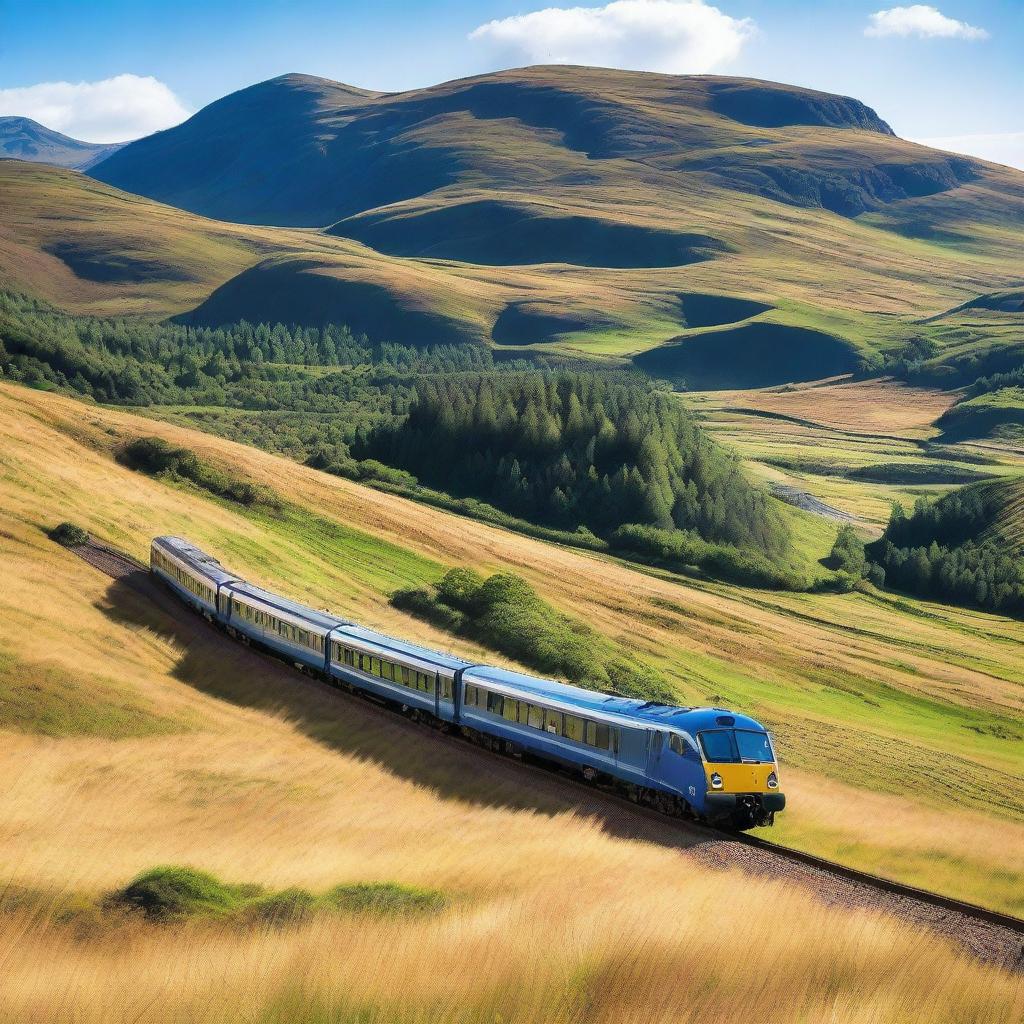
(998, 415)
(50, 700)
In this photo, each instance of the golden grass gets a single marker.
(624, 949)
(860, 407)
(917, 701)
(559, 910)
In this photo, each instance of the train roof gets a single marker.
(321, 619)
(623, 710)
(450, 662)
(195, 558)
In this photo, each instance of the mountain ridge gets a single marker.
(22, 138)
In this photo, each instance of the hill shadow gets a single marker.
(452, 768)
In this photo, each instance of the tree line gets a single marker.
(945, 550)
(577, 449)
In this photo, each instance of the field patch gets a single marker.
(752, 355)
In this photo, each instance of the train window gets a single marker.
(428, 683)
(511, 709)
(603, 737)
(553, 721)
(470, 697)
(387, 670)
(495, 703)
(446, 689)
(574, 728)
(350, 657)
(405, 676)
(536, 717)
(677, 744)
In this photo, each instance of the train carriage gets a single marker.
(192, 574)
(295, 631)
(395, 670)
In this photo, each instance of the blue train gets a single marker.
(706, 763)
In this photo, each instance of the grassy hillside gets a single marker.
(864, 692)
(235, 766)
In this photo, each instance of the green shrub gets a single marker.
(680, 549)
(384, 898)
(504, 612)
(69, 535)
(285, 907)
(176, 893)
(157, 457)
(169, 892)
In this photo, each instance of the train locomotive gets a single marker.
(707, 763)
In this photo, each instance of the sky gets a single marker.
(949, 74)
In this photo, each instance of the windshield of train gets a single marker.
(736, 745)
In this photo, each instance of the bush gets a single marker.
(384, 898)
(69, 535)
(680, 549)
(157, 457)
(506, 614)
(848, 553)
(168, 892)
(176, 893)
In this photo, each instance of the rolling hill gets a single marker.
(573, 211)
(21, 138)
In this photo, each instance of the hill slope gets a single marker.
(236, 765)
(24, 139)
(862, 695)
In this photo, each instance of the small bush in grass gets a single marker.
(504, 613)
(177, 893)
(385, 898)
(169, 892)
(285, 907)
(69, 535)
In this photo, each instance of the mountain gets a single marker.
(307, 151)
(25, 139)
(702, 226)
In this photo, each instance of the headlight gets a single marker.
(773, 781)
(716, 780)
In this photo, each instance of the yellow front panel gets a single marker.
(740, 778)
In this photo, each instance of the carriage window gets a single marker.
(574, 728)
(446, 689)
(536, 717)
(603, 737)
(511, 709)
(677, 744)
(470, 696)
(553, 722)
(495, 703)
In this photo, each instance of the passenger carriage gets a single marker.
(707, 762)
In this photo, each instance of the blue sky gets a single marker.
(949, 71)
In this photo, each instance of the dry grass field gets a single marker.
(858, 445)
(179, 748)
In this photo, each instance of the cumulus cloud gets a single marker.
(112, 110)
(670, 36)
(999, 147)
(922, 21)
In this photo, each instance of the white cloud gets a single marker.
(922, 21)
(112, 110)
(999, 147)
(671, 36)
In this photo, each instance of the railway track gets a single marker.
(992, 936)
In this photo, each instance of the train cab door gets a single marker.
(655, 752)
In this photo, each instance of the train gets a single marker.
(706, 763)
